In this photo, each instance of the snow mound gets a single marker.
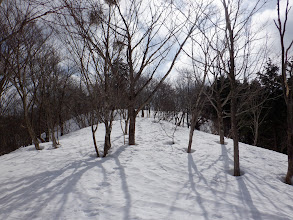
(151, 180)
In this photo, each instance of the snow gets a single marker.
(151, 180)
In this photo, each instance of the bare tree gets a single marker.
(238, 39)
(23, 68)
(19, 13)
(92, 38)
(218, 93)
(146, 34)
(257, 110)
(287, 84)
(21, 52)
(150, 34)
(52, 85)
(185, 89)
(218, 98)
(201, 63)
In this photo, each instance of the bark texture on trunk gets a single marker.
(187, 119)
(94, 139)
(220, 121)
(126, 126)
(132, 116)
(107, 144)
(191, 131)
(235, 137)
(221, 129)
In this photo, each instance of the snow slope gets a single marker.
(152, 180)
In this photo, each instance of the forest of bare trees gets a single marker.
(95, 62)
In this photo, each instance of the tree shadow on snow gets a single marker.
(191, 169)
(41, 189)
(54, 186)
(125, 189)
(195, 176)
(244, 195)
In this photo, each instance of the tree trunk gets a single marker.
(142, 113)
(61, 124)
(220, 120)
(231, 40)
(287, 88)
(54, 141)
(107, 144)
(30, 130)
(47, 132)
(39, 128)
(289, 174)
(94, 139)
(187, 119)
(192, 127)
(255, 134)
(132, 115)
(183, 121)
(50, 126)
(221, 128)
(126, 126)
(235, 130)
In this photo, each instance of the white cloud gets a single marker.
(266, 17)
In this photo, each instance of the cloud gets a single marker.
(265, 18)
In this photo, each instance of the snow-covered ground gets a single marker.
(151, 180)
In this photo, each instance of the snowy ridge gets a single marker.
(151, 180)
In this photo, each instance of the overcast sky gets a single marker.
(268, 14)
(263, 23)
